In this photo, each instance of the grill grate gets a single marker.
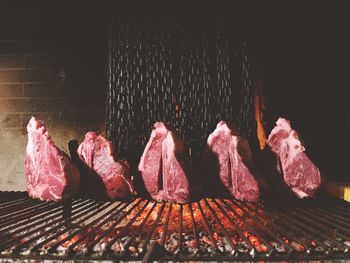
(210, 229)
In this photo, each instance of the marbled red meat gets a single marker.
(299, 172)
(97, 153)
(49, 172)
(164, 167)
(225, 165)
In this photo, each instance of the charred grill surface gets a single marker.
(210, 229)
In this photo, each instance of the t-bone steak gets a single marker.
(97, 153)
(164, 167)
(299, 172)
(226, 161)
(49, 172)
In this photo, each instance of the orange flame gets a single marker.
(259, 107)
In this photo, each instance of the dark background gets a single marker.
(302, 47)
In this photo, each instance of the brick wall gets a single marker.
(54, 86)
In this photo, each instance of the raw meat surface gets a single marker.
(226, 171)
(97, 153)
(164, 167)
(299, 172)
(49, 172)
(150, 165)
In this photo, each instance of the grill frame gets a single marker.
(17, 207)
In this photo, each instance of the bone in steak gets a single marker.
(225, 162)
(299, 172)
(97, 153)
(50, 174)
(164, 167)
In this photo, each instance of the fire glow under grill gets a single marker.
(210, 229)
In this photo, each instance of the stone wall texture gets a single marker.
(37, 80)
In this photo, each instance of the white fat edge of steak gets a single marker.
(281, 130)
(175, 180)
(221, 127)
(151, 159)
(85, 150)
(66, 174)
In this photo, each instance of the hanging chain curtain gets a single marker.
(189, 75)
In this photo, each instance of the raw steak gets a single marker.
(49, 172)
(225, 163)
(164, 167)
(299, 173)
(97, 153)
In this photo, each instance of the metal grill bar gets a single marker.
(180, 228)
(90, 247)
(210, 233)
(194, 227)
(4, 202)
(334, 220)
(221, 227)
(61, 222)
(162, 242)
(82, 220)
(251, 230)
(256, 222)
(85, 228)
(94, 230)
(149, 236)
(51, 213)
(210, 229)
(279, 229)
(128, 242)
(33, 230)
(31, 213)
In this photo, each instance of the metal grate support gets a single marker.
(210, 229)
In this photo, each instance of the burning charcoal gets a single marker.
(319, 248)
(80, 246)
(221, 248)
(242, 247)
(327, 242)
(100, 247)
(124, 239)
(207, 241)
(211, 251)
(347, 243)
(116, 247)
(61, 250)
(201, 234)
(279, 248)
(82, 250)
(132, 249)
(172, 243)
(297, 246)
(226, 245)
(140, 248)
(25, 252)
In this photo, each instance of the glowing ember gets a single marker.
(68, 243)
